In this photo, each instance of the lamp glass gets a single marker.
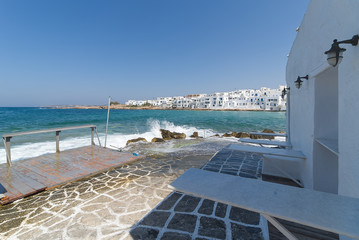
(332, 60)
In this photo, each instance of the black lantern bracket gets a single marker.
(299, 81)
(285, 91)
(335, 53)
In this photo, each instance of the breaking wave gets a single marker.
(117, 140)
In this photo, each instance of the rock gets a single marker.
(176, 135)
(242, 135)
(252, 136)
(157, 140)
(194, 135)
(227, 135)
(167, 135)
(263, 137)
(268, 131)
(136, 140)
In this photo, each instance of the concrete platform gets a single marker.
(29, 176)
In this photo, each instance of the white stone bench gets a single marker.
(326, 211)
(290, 154)
(265, 142)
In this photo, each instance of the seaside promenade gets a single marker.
(134, 202)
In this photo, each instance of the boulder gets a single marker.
(176, 135)
(216, 135)
(227, 135)
(268, 131)
(157, 140)
(242, 135)
(252, 136)
(263, 137)
(166, 135)
(136, 140)
(194, 135)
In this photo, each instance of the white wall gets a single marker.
(324, 21)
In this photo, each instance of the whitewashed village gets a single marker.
(249, 99)
(305, 187)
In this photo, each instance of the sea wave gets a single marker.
(116, 140)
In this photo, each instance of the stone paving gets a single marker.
(182, 216)
(105, 206)
(134, 202)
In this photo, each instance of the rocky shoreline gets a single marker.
(168, 135)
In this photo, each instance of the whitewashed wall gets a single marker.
(324, 21)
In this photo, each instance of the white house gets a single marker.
(323, 113)
(263, 99)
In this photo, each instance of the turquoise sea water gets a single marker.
(123, 125)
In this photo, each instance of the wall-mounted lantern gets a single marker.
(335, 53)
(298, 83)
(284, 92)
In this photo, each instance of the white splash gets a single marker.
(29, 150)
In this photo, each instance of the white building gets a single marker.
(249, 99)
(323, 113)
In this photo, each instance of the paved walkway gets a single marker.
(182, 216)
(134, 202)
(105, 206)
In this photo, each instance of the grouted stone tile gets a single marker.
(170, 201)
(183, 222)
(206, 207)
(156, 219)
(175, 236)
(221, 210)
(11, 223)
(245, 232)
(212, 228)
(230, 172)
(187, 204)
(115, 197)
(246, 175)
(245, 216)
(144, 233)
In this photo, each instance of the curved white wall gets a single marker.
(324, 21)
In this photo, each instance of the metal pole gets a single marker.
(92, 136)
(108, 116)
(99, 142)
(58, 141)
(7, 149)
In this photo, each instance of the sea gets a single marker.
(123, 125)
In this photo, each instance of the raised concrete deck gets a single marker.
(29, 176)
(329, 212)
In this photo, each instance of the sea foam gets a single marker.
(115, 140)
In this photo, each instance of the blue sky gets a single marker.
(81, 52)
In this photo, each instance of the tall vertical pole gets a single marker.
(58, 141)
(92, 136)
(8, 150)
(108, 116)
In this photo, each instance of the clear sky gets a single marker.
(81, 52)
